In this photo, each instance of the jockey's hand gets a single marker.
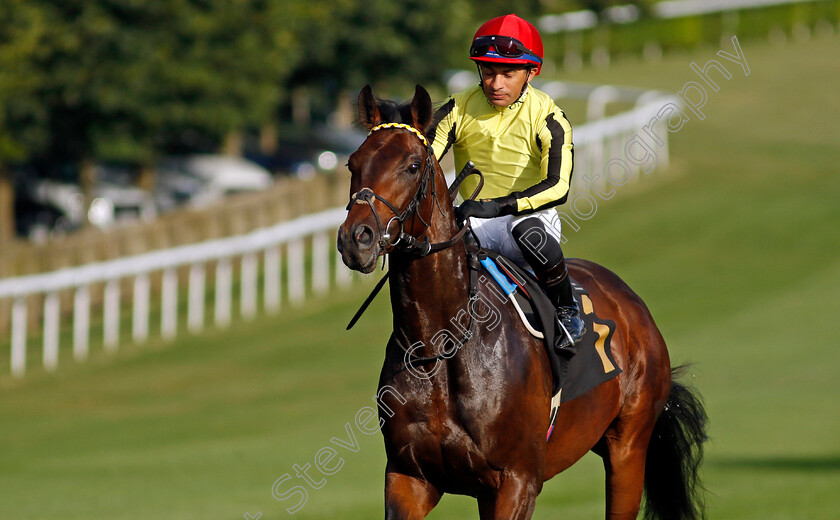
(487, 208)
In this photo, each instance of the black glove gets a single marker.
(487, 208)
(477, 208)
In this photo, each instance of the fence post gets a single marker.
(140, 331)
(659, 128)
(297, 291)
(596, 104)
(320, 263)
(18, 360)
(51, 330)
(111, 315)
(169, 304)
(272, 279)
(224, 279)
(81, 322)
(195, 311)
(248, 286)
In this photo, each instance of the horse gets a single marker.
(476, 424)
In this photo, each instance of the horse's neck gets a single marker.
(428, 292)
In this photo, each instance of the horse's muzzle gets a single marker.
(359, 247)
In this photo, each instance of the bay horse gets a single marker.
(477, 426)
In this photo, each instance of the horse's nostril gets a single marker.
(363, 236)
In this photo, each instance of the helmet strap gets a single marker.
(524, 87)
(527, 82)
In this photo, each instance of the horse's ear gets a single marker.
(421, 109)
(369, 114)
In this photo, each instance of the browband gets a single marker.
(410, 128)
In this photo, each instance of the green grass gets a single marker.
(736, 252)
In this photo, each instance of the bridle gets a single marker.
(401, 240)
(406, 242)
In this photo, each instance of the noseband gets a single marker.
(402, 240)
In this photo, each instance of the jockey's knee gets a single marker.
(538, 246)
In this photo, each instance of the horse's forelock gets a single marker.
(395, 112)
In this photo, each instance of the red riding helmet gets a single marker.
(508, 39)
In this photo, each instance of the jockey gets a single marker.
(522, 142)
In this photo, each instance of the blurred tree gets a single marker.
(125, 80)
(21, 28)
(392, 45)
(219, 68)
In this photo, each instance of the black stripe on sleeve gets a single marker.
(555, 155)
(553, 203)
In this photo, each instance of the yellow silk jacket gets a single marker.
(524, 150)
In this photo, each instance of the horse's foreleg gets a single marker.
(513, 500)
(408, 498)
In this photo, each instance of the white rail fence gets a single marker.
(603, 140)
(260, 252)
(259, 248)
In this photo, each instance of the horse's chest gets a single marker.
(445, 428)
(435, 442)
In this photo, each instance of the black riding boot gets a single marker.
(545, 256)
(558, 287)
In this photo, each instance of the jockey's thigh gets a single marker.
(495, 234)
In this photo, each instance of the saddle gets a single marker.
(575, 370)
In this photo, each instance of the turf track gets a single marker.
(736, 251)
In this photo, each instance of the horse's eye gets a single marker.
(414, 168)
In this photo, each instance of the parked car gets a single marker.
(199, 180)
(42, 211)
(51, 202)
(304, 152)
(115, 184)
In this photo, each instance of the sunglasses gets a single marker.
(503, 45)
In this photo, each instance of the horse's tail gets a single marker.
(672, 486)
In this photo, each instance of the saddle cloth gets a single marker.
(574, 373)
